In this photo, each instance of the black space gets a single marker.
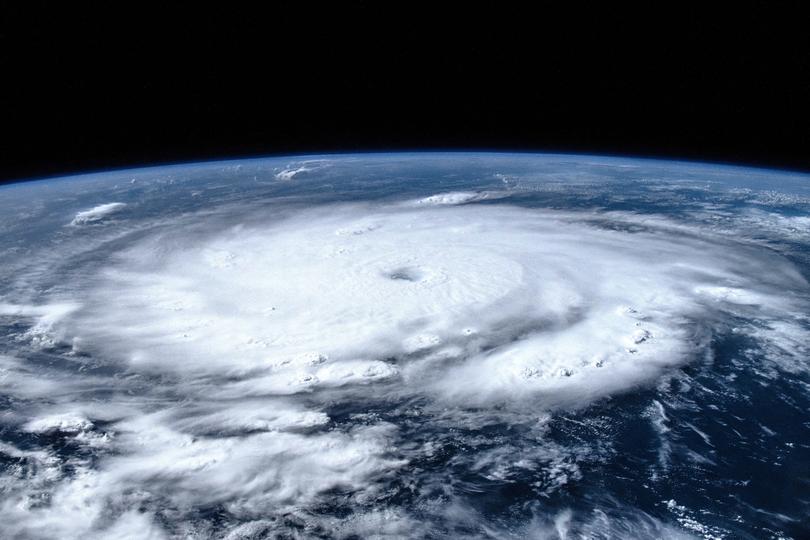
(105, 86)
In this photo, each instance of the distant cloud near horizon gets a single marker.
(97, 213)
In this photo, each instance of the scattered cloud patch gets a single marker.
(289, 174)
(452, 198)
(97, 213)
(298, 169)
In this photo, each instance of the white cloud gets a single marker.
(600, 310)
(289, 174)
(455, 197)
(97, 213)
(66, 422)
(296, 169)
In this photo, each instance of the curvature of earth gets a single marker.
(407, 346)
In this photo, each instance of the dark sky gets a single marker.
(104, 86)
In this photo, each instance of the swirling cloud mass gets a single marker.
(254, 373)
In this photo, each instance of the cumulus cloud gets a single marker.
(456, 197)
(67, 422)
(97, 213)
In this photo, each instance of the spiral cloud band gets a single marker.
(466, 302)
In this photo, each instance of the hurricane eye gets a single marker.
(405, 273)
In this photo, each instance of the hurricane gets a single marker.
(406, 346)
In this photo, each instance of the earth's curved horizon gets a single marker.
(407, 345)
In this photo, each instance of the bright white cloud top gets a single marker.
(210, 358)
(487, 303)
(96, 213)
